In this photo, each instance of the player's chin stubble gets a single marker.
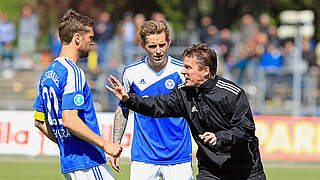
(83, 53)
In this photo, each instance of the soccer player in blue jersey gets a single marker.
(64, 107)
(160, 148)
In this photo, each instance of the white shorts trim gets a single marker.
(145, 171)
(101, 172)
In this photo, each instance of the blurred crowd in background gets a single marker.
(252, 54)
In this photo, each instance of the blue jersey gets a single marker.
(160, 141)
(63, 86)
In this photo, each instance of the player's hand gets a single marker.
(209, 136)
(117, 90)
(115, 161)
(112, 149)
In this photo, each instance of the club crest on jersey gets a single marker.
(169, 84)
(78, 99)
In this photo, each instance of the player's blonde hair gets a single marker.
(153, 27)
(71, 23)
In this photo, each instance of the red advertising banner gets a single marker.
(281, 137)
(19, 136)
(289, 138)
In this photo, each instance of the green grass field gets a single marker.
(48, 168)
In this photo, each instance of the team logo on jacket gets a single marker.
(78, 99)
(194, 109)
(169, 84)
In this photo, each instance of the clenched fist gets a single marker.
(112, 149)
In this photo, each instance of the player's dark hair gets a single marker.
(71, 23)
(205, 56)
(153, 27)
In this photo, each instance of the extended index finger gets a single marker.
(109, 88)
(114, 81)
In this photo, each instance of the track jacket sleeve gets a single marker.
(158, 106)
(242, 124)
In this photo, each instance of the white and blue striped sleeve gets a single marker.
(73, 95)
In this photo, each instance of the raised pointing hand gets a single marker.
(117, 89)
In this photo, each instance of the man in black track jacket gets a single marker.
(218, 113)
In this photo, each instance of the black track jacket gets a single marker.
(218, 106)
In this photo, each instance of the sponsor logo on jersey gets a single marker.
(78, 99)
(169, 84)
(142, 81)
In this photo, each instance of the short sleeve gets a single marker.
(73, 90)
(38, 104)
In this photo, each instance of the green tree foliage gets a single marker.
(175, 14)
(13, 8)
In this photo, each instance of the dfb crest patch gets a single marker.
(78, 99)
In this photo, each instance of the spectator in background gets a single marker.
(271, 62)
(55, 43)
(28, 34)
(257, 47)
(139, 19)
(317, 52)
(93, 71)
(225, 44)
(114, 70)
(309, 55)
(7, 37)
(7, 30)
(273, 36)
(213, 39)
(288, 54)
(247, 27)
(225, 48)
(242, 61)
(104, 31)
(264, 21)
(203, 32)
(129, 37)
(317, 90)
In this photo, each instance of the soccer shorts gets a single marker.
(101, 172)
(145, 171)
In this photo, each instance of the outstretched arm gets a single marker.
(120, 124)
(158, 106)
